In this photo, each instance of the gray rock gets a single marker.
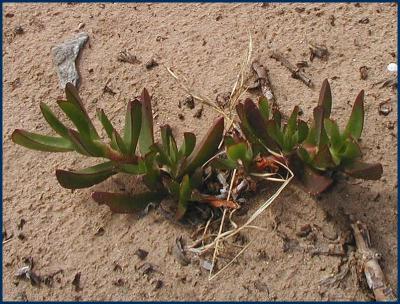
(64, 56)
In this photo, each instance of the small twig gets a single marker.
(372, 270)
(296, 72)
(263, 81)
(8, 240)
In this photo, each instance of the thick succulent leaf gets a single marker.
(264, 108)
(85, 178)
(291, 125)
(188, 144)
(323, 158)
(319, 125)
(76, 116)
(162, 155)
(133, 124)
(138, 169)
(125, 203)
(244, 124)
(173, 187)
(302, 129)
(356, 121)
(196, 178)
(325, 98)
(85, 145)
(73, 97)
(257, 123)
(146, 137)
(152, 178)
(275, 132)
(351, 152)
(41, 142)
(277, 117)
(224, 164)
(53, 121)
(166, 133)
(303, 155)
(185, 192)
(228, 140)
(119, 142)
(237, 151)
(313, 182)
(206, 148)
(332, 130)
(173, 150)
(362, 170)
(106, 123)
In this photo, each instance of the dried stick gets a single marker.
(263, 81)
(296, 72)
(373, 272)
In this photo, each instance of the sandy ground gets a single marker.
(206, 43)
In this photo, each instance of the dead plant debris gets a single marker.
(296, 72)
(385, 107)
(364, 72)
(77, 281)
(151, 64)
(126, 56)
(141, 254)
(318, 51)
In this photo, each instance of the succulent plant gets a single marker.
(166, 170)
(86, 141)
(313, 152)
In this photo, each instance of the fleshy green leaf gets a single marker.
(146, 137)
(325, 98)
(138, 169)
(206, 148)
(302, 129)
(53, 121)
(351, 152)
(133, 124)
(304, 155)
(119, 142)
(85, 178)
(356, 121)
(275, 132)
(125, 203)
(225, 164)
(152, 178)
(332, 130)
(41, 142)
(185, 192)
(106, 123)
(188, 144)
(264, 108)
(277, 117)
(237, 151)
(86, 146)
(73, 97)
(319, 126)
(162, 155)
(77, 117)
(362, 170)
(323, 158)
(291, 125)
(173, 149)
(196, 178)
(257, 123)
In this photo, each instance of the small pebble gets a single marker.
(392, 67)
(151, 64)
